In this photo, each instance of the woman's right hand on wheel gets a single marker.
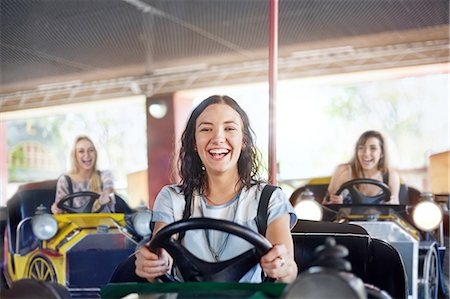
(335, 199)
(150, 265)
(55, 209)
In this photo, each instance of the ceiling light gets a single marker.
(158, 109)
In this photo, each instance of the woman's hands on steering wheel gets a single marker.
(359, 198)
(150, 265)
(335, 199)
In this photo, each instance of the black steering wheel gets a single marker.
(192, 268)
(66, 203)
(359, 198)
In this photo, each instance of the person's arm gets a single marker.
(279, 262)
(62, 189)
(340, 176)
(151, 265)
(394, 186)
(107, 194)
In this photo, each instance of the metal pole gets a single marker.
(273, 77)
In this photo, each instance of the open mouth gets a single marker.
(86, 162)
(365, 161)
(218, 153)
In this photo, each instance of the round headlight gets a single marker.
(308, 210)
(141, 223)
(427, 215)
(44, 226)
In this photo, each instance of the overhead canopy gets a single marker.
(53, 52)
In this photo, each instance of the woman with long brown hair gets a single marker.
(370, 161)
(218, 166)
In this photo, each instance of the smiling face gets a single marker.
(85, 155)
(219, 139)
(369, 154)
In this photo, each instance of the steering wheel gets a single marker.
(359, 198)
(192, 268)
(66, 203)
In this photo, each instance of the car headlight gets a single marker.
(43, 225)
(307, 208)
(141, 222)
(427, 214)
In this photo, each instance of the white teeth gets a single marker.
(219, 151)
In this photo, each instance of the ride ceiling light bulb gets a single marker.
(158, 109)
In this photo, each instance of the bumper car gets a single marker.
(200, 279)
(78, 250)
(414, 227)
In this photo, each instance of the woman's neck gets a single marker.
(371, 173)
(222, 189)
(83, 175)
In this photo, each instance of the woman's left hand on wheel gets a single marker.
(279, 264)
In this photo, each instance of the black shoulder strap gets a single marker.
(69, 183)
(263, 206)
(101, 181)
(386, 178)
(187, 207)
(261, 216)
(186, 212)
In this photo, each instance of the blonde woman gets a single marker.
(84, 176)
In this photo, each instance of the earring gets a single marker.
(203, 168)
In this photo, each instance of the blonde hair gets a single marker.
(75, 167)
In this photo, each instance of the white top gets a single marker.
(242, 209)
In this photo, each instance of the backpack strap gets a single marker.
(386, 178)
(261, 216)
(101, 181)
(263, 206)
(69, 183)
(186, 212)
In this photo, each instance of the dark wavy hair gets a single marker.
(189, 164)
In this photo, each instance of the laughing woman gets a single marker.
(84, 176)
(218, 165)
(370, 161)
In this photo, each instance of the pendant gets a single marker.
(214, 254)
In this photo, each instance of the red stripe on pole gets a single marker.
(273, 77)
